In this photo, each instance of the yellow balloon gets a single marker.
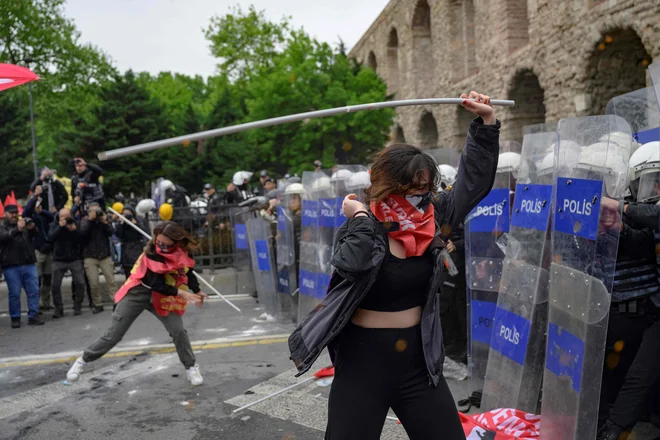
(118, 206)
(166, 211)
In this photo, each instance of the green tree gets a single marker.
(182, 96)
(36, 33)
(246, 42)
(125, 115)
(15, 143)
(307, 76)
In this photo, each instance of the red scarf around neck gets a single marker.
(175, 268)
(416, 228)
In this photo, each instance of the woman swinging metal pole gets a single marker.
(150, 146)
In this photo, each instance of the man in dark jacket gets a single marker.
(85, 184)
(17, 261)
(52, 192)
(97, 254)
(132, 242)
(67, 243)
(42, 247)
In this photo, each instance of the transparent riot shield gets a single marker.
(241, 250)
(654, 71)
(640, 110)
(486, 236)
(324, 190)
(288, 220)
(584, 248)
(263, 265)
(309, 293)
(517, 347)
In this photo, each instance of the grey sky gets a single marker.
(166, 35)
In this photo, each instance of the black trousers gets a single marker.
(624, 337)
(453, 316)
(640, 387)
(379, 369)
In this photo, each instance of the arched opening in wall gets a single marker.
(530, 106)
(423, 64)
(463, 50)
(428, 131)
(399, 136)
(393, 61)
(617, 65)
(371, 61)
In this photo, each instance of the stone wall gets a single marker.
(556, 58)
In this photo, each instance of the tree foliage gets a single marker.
(265, 69)
(125, 115)
(15, 143)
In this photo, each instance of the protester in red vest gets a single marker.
(159, 283)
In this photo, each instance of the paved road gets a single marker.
(139, 391)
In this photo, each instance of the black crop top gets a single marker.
(401, 284)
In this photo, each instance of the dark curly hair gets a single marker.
(177, 234)
(398, 169)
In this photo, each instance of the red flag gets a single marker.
(12, 76)
(2, 211)
(8, 200)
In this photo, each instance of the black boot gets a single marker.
(610, 431)
(15, 322)
(97, 309)
(37, 320)
(77, 309)
(58, 313)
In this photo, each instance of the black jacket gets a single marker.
(67, 245)
(16, 246)
(361, 245)
(132, 242)
(60, 196)
(642, 215)
(87, 185)
(96, 237)
(42, 222)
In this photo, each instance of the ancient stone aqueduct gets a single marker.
(556, 58)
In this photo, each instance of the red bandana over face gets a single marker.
(416, 218)
(175, 268)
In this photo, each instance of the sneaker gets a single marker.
(76, 370)
(97, 309)
(58, 313)
(15, 322)
(194, 376)
(37, 320)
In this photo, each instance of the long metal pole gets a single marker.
(199, 277)
(35, 161)
(150, 146)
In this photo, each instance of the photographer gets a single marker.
(52, 192)
(132, 242)
(17, 261)
(96, 232)
(43, 248)
(67, 242)
(85, 184)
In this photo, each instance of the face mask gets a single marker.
(420, 201)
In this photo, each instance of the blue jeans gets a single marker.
(25, 277)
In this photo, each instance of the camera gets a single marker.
(129, 216)
(28, 220)
(70, 221)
